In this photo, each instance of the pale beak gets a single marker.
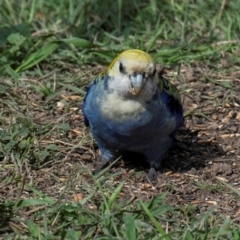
(137, 82)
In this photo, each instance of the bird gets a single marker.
(131, 107)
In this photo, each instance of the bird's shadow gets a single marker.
(187, 152)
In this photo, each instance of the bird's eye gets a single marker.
(121, 68)
(154, 72)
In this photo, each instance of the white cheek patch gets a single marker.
(120, 84)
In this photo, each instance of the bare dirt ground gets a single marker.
(204, 154)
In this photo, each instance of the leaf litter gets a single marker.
(55, 155)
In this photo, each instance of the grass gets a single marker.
(49, 52)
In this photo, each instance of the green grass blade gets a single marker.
(79, 42)
(33, 202)
(115, 194)
(130, 227)
(154, 221)
(222, 230)
(38, 56)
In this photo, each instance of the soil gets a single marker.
(204, 157)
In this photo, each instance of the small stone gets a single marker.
(214, 117)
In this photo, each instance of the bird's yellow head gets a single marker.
(132, 68)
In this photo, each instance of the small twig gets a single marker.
(22, 186)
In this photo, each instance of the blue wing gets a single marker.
(97, 79)
(171, 98)
(86, 121)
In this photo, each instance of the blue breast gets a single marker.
(133, 133)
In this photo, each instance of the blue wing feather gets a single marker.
(97, 79)
(86, 121)
(171, 98)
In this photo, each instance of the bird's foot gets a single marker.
(153, 173)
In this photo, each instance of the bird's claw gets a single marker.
(152, 174)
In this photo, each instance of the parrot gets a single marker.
(131, 107)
